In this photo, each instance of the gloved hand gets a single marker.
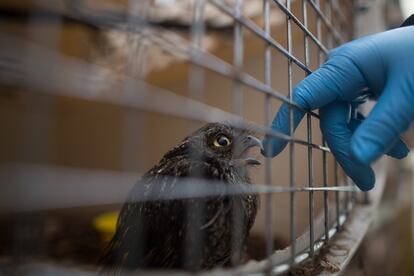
(380, 66)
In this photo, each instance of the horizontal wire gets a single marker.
(75, 78)
(47, 187)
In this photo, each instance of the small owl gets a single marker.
(192, 233)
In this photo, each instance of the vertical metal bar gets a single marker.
(337, 195)
(354, 192)
(132, 138)
(347, 196)
(291, 144)
(305, 23)
(196, 79)
(309, 139)
(131, 125)
(310, 184)
(136, 57)
(324, 157)
(238, 105)
(268, 118)
(329, 16)
(238, 58)
(325, 193)
(329, 8)
(351, 34)
(194, 237)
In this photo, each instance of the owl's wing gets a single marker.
(150, 232)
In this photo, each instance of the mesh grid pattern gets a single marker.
(322, 25)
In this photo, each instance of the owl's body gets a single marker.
(191, 233)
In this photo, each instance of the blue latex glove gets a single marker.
(383, 63)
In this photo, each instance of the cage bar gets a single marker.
(75, 78)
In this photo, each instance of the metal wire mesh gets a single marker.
(322, 24)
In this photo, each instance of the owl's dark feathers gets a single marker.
(190, 233)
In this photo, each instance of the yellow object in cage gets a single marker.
(106, 225)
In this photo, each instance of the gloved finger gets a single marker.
(338, 135)
(390, 117)
(281, 123)
(339, 78)
(397, 150)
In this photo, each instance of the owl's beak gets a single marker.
(247, 144)
(253, 142)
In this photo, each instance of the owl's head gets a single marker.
(224, 144)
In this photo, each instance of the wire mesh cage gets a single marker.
(95, 92)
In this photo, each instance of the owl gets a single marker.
(156, 230)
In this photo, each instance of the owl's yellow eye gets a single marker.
(221, 141)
